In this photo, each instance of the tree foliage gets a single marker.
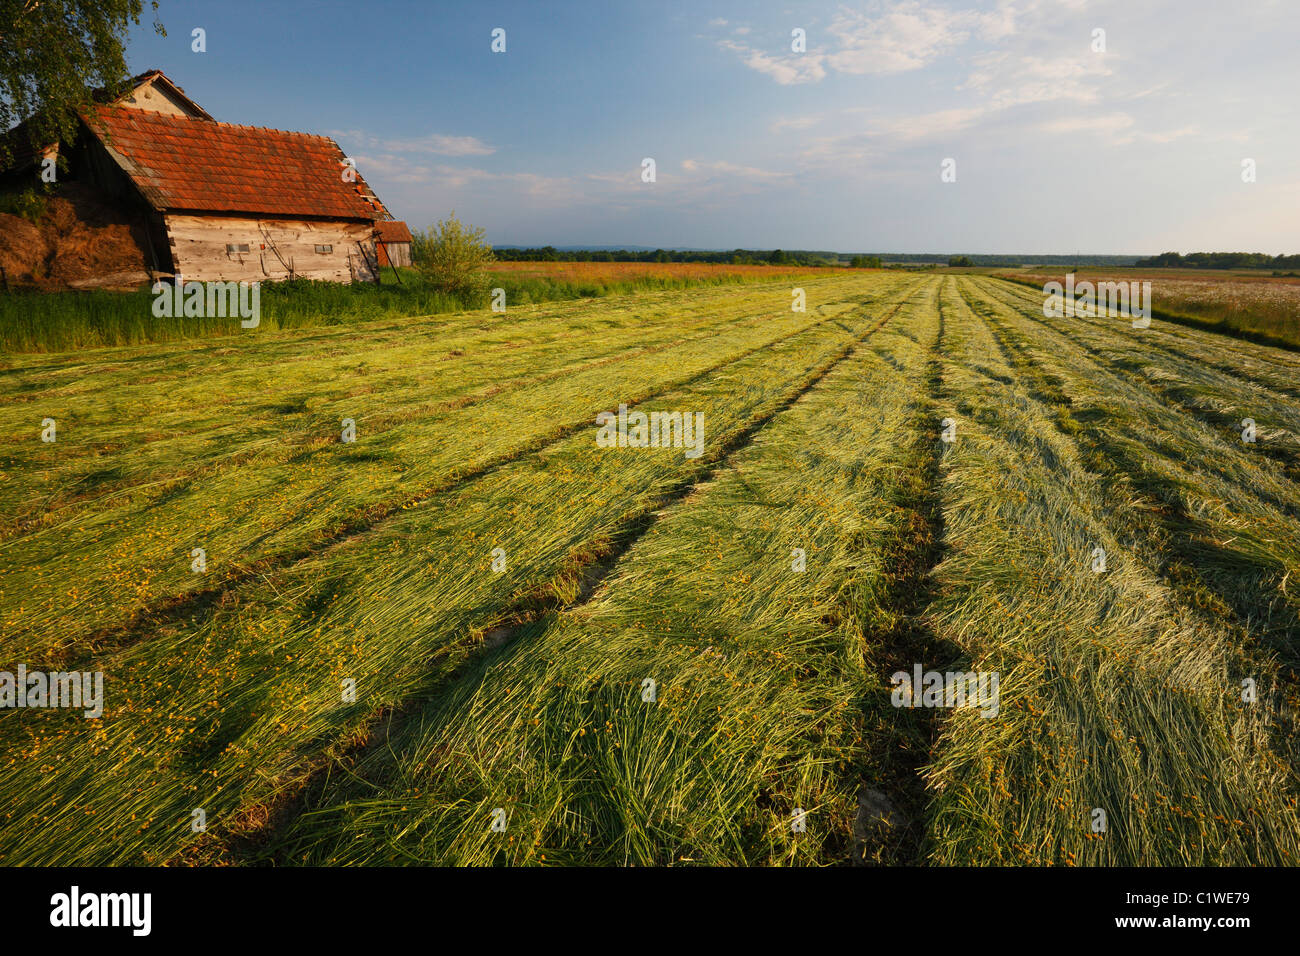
(54, 54)
(1221, 260)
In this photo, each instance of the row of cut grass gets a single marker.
(1226, 514)
(103, 567)
(1116, 696)
(207, 404)
(1267, 320)
(230, 708)
(764, 703)
(1203, 355)
(1223, 391)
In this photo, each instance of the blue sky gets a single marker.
(1058, 148)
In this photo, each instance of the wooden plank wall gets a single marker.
(276, 248)
(394, 253)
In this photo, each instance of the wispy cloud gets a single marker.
(795, 123)
(1003, 79)
(886, 38)
(1116, 129)
(786, 70)
(732, 170)
(393, 169)
(907, 36)
(842, 146)
(438, 144)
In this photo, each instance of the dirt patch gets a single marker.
(80, 242)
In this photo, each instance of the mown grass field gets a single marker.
(571, 654)
(1254, 305)
(38, 321)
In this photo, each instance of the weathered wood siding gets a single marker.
(394, 253)
(277, 249)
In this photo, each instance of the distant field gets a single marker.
(1251, 303)
(580, 272)
(634, 655)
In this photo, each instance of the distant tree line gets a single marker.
(1220, 260)
(1004, 260)
(741, 257)
(816, 258)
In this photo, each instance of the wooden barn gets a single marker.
(393, 241)
(218, 201)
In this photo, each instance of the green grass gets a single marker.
(1253, 319)
(762, 684)
(241, 455)
(392, 606)
(32, 321)
(1122, 694)
(521, 689)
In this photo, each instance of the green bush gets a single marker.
(455, 258)
(28, 203)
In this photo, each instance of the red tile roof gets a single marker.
(205, 166)
(393, 230)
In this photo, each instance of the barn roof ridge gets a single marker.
(393, 230)
(185, 119)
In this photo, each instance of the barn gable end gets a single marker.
(155, 93)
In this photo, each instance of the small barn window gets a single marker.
(233, 247)
(324, 250)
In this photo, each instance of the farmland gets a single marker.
(472, 635)
(41, 321)
(601, 273)
(1253, 305)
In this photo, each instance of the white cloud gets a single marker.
(794, 122)
(386, 169)
(906, 37)
(889, 38)
(436, 143)
(862, 139)
(1108, 124)
(533, 186)
(1170, 135)
(1115, 129)
(786, 70)
(733, 170)
(1004, 80)
(393, 169)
